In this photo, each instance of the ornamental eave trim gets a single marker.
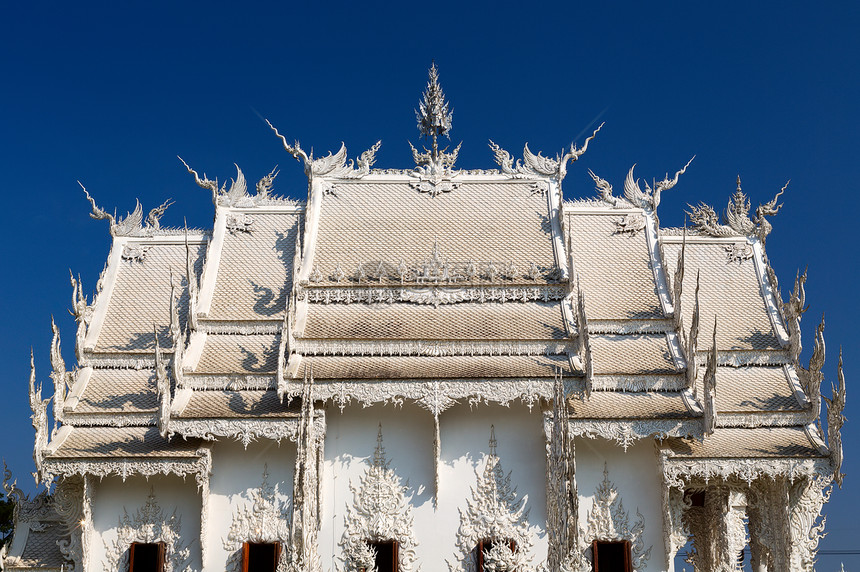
(124, 468)
(244, 431)
(626, 432)
(678, 472)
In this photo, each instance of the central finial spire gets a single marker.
(434, 166)
(434, 117)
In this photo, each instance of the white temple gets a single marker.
(433, 369)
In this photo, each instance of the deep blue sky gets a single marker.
(111, 93)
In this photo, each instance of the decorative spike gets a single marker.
(493, 443)
(154, 217)
(162, 385)
(582, 324)
(59, 374)
(795, 308)
(379, 459)
(39, 408)
(204, 183)
(678, 285)
(692, 340)
(191, 280)
(835, 420)
(710, 387)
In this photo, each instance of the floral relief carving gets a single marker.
(149, 524)
(380, 511)
(494, 512)
(264, 519)
(607, 520)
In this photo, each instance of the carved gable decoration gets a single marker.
(608, 521)
(149, 524)
(495, 512)
(264, 519)
(380, 512)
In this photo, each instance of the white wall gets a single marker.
(235, 471)
(635, 474)
(408, 441)
(111, 496)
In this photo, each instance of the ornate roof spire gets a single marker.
(434, 119)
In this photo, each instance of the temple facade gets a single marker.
(433, 369)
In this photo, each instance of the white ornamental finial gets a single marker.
(435, 166)
(434, 117)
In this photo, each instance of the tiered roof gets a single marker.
(439, 286)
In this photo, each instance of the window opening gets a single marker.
(486, 545)
(386, 555)
(611, 556)
(146, 557)
(260, 556)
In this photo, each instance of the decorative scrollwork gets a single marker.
(631, 224)
(607, 520)
(494, 512)
(149, 524)
(650, 198)
(380, 511)
(239, 222)
(626, 433)
(737, 219)
(262, 519)
(132, 223)
(332, 165)
(835, 420)
(537, 165)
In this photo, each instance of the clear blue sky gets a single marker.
(111, 93)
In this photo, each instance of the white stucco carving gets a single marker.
(380, 511)
(149, 524)
(607, 520)
(497, 513)
(263, 519)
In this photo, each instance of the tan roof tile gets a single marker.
(106, 442)
(728, 290)
(238, 404)
(368, 222)
(232, 353)
(752, 389)
(738, 443)
(641, 354)
(629, 405)
(455, 367)
(119, 390)
(490, 321)
(140, 298)
(255, 269)
(614, 270)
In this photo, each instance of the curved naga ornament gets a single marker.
(650, 197)
(39, 407)
(380, 512)
(332, 165)
(835, 419)
(261, 520)
(737, 219)
(132, 223)
(539, 166)
(498, 514)
(149, 524)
